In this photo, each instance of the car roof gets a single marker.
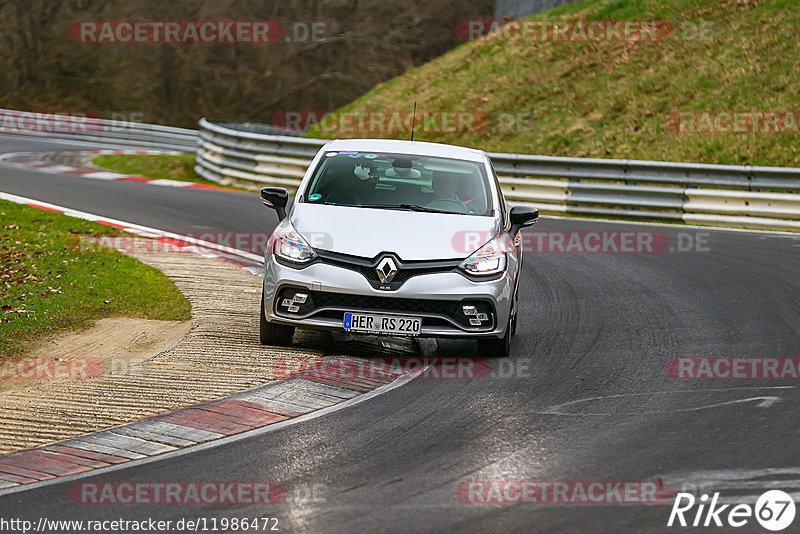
(396, 146)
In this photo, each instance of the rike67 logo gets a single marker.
(774, 510)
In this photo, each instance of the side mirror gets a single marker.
(275, 198)
(522, 216)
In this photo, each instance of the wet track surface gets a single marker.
(585, 397)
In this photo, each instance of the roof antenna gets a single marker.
(413, 121)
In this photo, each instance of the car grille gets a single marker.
(333, 305)
(405, 269)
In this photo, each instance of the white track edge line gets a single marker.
(127, 225)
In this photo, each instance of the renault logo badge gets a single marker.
(387, 269)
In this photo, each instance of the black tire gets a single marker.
(496, 348)
(515, 312)
(514, 324)
(274, 334)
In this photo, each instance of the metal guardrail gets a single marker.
(240, 154)
(720, 195)
(97, 131)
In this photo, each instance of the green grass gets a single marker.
(50, 281)
(157, 166)
(615, 99)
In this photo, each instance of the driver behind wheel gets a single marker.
(445, 185)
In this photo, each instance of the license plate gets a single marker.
(382, 324)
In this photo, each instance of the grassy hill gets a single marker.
(619, 99)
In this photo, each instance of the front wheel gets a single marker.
(274, 334)
(496, 348)
(513, 322)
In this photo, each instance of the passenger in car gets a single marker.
(343, 185)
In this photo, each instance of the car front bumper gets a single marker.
(438, 298)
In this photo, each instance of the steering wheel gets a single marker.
(449, 204)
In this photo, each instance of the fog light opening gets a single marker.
(475, 316)
(292, 305)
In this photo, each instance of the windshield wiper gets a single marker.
(408, 207)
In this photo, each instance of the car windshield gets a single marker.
(400, 181)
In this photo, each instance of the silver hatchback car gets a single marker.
(401, 238)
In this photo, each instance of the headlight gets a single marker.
(289, 245)
(489, 259)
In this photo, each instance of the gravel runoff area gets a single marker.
(219, 355)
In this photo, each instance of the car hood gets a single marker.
(411, 235)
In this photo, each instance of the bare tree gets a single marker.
(365, 42)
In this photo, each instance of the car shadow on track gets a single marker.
(366, 346)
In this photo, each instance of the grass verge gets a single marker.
(156, 166)
(616, 99)
(50, 281)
